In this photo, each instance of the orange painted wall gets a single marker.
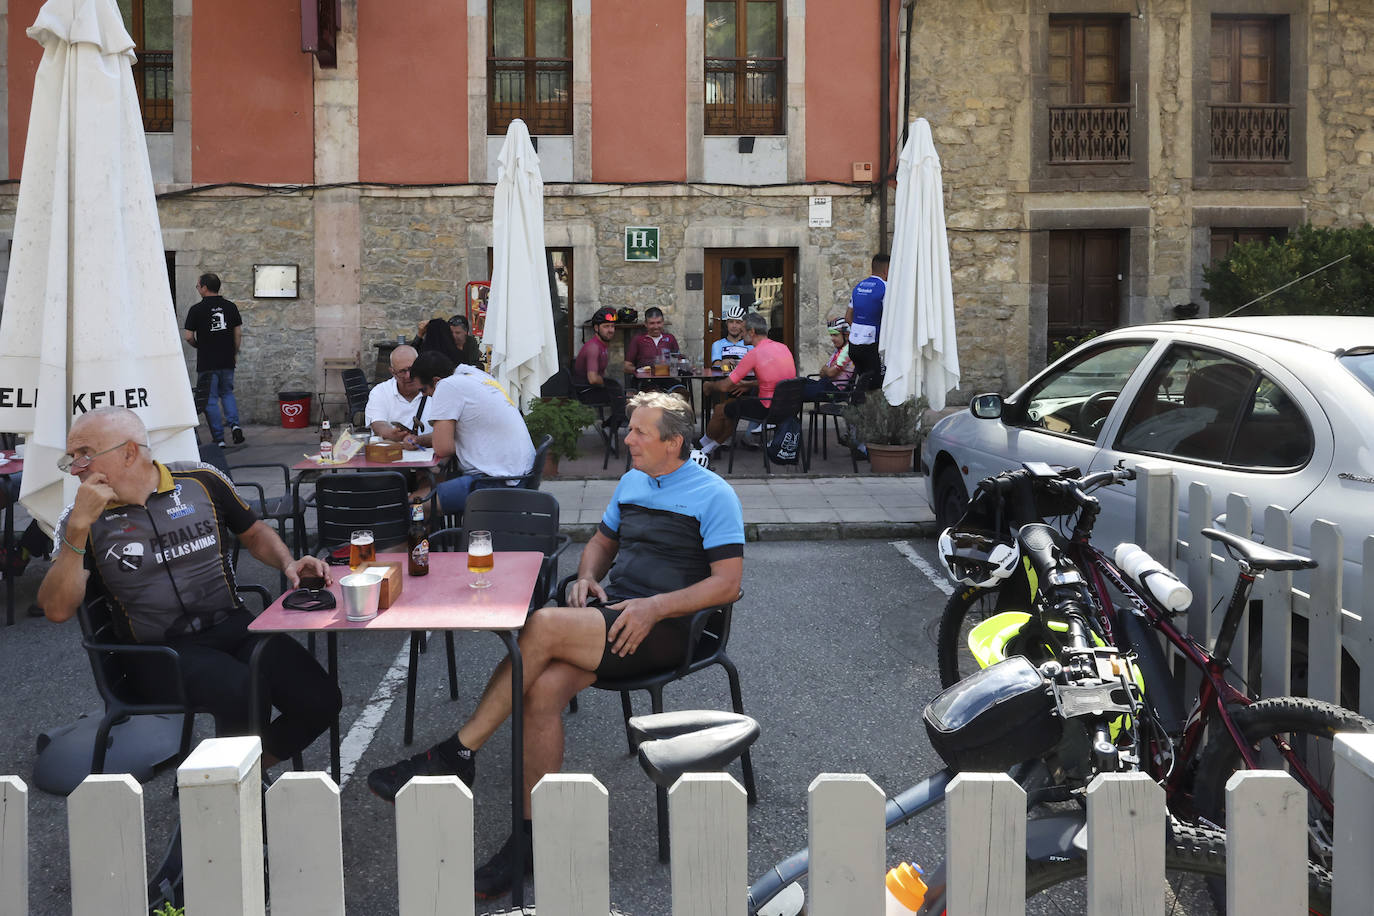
(24, 55)
(842, 87)
(252, 93)
(639, 106)
(412, 91)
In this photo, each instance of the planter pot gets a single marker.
(550, 465)
(890, 459)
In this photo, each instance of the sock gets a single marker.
(453, 751)
(708, 445)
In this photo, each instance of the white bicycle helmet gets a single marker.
(977, 557)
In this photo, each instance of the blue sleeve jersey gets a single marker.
(670, 530)
(867, 301)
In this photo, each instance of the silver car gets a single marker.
(1280, 409)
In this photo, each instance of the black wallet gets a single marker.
(309, 599)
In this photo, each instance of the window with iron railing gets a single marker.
(529, 65)
(1089, 115)
(1248, 121)
(745, 67)
(150, 26)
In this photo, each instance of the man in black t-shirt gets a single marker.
(214, 328)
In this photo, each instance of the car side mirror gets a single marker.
(986, 406)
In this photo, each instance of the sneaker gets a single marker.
(221, 443)
(238, 435)
(385, 782)
(493, 879)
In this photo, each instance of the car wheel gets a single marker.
(951, 497)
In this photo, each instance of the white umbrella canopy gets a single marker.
(917, 340)
(519, 324)
(88, 318)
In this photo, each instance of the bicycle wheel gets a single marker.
(1193, 857)
(1309, 727)
(964, 610)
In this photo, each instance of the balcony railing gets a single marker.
(539, 90)
(1252, 132)
(153, 77)
(1090, 133)
(744, 95)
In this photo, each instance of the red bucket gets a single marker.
(295, 409)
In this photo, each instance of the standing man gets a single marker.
(644, 348)
(771, 362)
(865, 317)
(590, 382)
(214, 328)
(474, 420)
(672, 540)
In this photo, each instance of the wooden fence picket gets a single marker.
(305, 845)
(1197, 557)
(1353, 885)
(572, 851)
(1364, 645)
(220, 786)
(846, 813)
(1266, 844)
(1238, 521)
(1324, 614)
(105, 824)
(1126, 839)
(1275, 590)
(434, 847)
(709, 842)
(14, 847)
(985, 845)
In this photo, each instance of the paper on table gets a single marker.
(377, 570)
(416, 455)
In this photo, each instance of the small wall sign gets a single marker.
(275, 281)
(641, 243)
(820, 213)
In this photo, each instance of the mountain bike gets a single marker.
(1191, 755)
(1062, 723)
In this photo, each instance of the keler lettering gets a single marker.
(131, 398)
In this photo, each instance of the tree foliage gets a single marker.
(1252, 269)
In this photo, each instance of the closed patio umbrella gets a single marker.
(519, 328)
(917, 340)
(88, 318)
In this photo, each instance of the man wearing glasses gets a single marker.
(155, 540)
(395, 407)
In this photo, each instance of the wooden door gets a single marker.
(761, 280)
(1085, 275)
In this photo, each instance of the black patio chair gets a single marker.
(279, 507)
(356, 390)
(831, 407)
(786, 403)
(527, 481)
(375, 500)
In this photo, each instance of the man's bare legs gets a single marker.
(545, 701)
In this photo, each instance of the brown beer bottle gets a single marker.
(417, 553)
(326, 440)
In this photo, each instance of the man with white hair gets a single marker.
(154, 539)
(395, 407)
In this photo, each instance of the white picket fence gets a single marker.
(221, 817)
(1335, 619)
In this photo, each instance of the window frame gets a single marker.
(157, 63)
(740, 66)
(537, 120)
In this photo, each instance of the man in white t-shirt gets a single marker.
(473, 419)
(395, 408)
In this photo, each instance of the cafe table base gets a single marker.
(441, 600)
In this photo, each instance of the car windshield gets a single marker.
(1074, 398)
(1361, 365)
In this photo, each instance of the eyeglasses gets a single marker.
(67, 463)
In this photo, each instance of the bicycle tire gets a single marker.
(964, 610)
(1260, 721)
(1192, 856)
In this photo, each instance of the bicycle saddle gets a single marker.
(1257, 555)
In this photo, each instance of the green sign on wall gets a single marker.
(641, 243)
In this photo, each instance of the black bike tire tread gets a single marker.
(1261, 719)
(1195, 850)
(951, 619)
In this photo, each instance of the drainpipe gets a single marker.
(884, 117)
(906, 71)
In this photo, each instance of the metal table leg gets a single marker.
(517, 764)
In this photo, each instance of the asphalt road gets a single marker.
(835, 646)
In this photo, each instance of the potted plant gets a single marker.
(890, 432)
(562, 418)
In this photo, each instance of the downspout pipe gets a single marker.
(884, 116)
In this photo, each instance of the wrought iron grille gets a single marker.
(1090, 133)
(153, 77)
(537, 90)
(1251, 132)
(758, 110)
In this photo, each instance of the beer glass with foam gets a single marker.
(480, 558)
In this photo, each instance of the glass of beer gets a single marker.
(361, 551)
(480, 558)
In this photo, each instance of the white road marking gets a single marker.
(937, 578)
(364, 728)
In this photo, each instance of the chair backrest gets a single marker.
(559, 385)
(517, 519)
(376, 500)
(356, 390)
(536, 475)
(787, 399)
(113, 681)
(213, 455)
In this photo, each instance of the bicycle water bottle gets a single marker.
(1149, 573)
(905, 890)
